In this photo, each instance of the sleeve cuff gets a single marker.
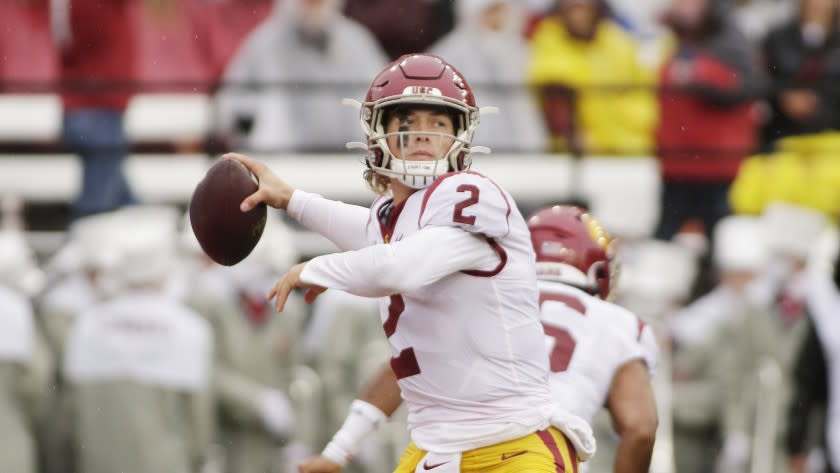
(297, 203)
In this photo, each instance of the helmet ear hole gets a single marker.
(601, 272)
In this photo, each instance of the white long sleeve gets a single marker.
(343, 224)
(403, 266)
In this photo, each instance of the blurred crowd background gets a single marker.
(705, 134)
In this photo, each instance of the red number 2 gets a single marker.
(564, 343)
(405, 364)
(457, 214)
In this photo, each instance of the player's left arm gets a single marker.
(381, 270)
(461, 215)
(632, 407)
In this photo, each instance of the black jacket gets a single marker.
(793, 64)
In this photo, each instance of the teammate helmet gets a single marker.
(572, 247)
(418, 80)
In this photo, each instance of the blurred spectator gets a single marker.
(581, 49)
(97, 42)
(340, 323)
(25, 362)
(740, 254)
(173, 51)
(74, 270)
(768, 340)
(755, 18)
(802, 59)
(808, 402)
(697, 338)
(25, 366)
(139, 363)
(656, 278)
(186, 45)
(641, 19)
(407, 26)
(284, 88)
(256, 353)
(707, 116)
(815, 375)
(655, 281)
(18, 267)
(226, 23)
(26, 22)
(488, 48)
(804, 171)
(344, 344)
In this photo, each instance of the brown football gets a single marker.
(224, 232)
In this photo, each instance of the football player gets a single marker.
(450, 257)
(599, 353)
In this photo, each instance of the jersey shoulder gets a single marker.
(603, 313)
(467, 200)
(613, 323)
(637, 334)
(621, 319)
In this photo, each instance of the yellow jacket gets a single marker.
(614, 114)
(805, 171)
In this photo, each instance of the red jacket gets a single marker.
(707, 126)
(102, 50)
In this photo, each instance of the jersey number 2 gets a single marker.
(458, 214)
(564, 343)
(405, 364)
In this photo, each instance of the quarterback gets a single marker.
(450, 258)
(599, 354)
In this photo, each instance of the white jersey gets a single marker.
(144, 337)
(468, 349)
(588, 339)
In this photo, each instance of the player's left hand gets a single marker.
(289, 281)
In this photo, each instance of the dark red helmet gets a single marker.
(419, 80)
(572, 247)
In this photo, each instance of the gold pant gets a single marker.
(546, 451)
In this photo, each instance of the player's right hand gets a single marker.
(319, 464)
(289, 281)
(273, 190)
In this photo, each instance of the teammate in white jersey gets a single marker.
(600, 354)
(450, 256)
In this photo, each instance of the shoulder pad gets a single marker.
(467, 200)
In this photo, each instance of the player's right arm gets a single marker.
(343, 224)
(379, 398)
(632, 407)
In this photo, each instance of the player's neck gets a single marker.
(400, 191)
